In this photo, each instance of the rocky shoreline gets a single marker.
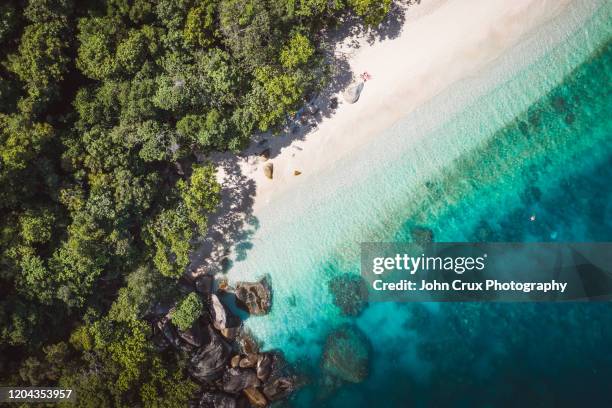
(222, 357)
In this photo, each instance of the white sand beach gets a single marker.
(437, 44)
(441, 42)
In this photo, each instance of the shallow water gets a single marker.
(538, 142)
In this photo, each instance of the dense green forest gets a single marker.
(103, 105)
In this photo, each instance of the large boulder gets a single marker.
(347, 354)
(255, 397)
(264, 366)
(350, 293)
(209, 361)
(237, 379)
(268, 170)
(223, 319)
(351, 95)
(278, 388)
(255, 298)
(193, 336)
(246, 343)
(218, 312)
(249, 361)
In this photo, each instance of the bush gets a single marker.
(188, 310)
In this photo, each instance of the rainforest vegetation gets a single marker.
(104, 106)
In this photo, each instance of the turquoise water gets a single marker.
(536, 142)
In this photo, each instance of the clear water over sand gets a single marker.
(532, 136)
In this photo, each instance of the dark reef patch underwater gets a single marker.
(555, 161)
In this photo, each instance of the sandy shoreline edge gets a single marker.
(439, 43)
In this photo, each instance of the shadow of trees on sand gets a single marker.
(232, 226)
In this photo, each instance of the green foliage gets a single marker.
(372, 11)
(79, 261)
(104, 107)
(41, 60)
(125, 346)
(131, 52)
(34, 280)
(166, 389)
(97, 38)
(297, 52)
(132, 374)
(41, 11)
(36, 226)
(18, 321)
(200, 195)
(208, 131)
(316, 8)
(144, 287)
(199, 27)
(249, 31)
(187, 311)
(169, 235)
(274, 95)
(21, 141)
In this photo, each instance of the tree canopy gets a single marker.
(101, 104)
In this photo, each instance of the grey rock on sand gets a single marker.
(268, 170)
(351, 95)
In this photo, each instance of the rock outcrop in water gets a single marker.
(236, 380)
(347, 354)
(255, 298)
(230, 369)
(421, 235)
(350, 293)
